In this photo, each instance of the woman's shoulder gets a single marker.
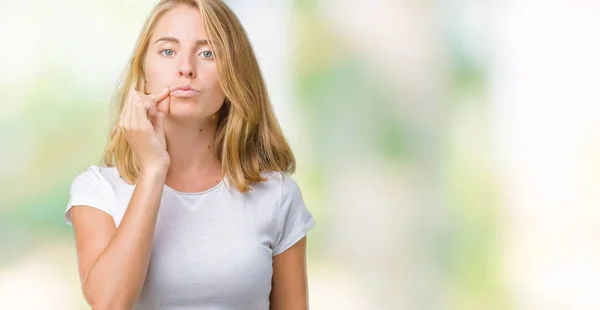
(94, 187)
(98, 174)
(276, 183)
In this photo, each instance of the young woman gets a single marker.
(193, 206)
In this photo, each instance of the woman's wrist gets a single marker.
(158, 172)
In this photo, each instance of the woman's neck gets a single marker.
(191, 147)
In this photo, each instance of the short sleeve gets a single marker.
(89, 188)
(294, 219)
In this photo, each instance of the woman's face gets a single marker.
(178, 56)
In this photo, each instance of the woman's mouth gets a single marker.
(184, 91)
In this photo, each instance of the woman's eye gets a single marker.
(207, 54)
(167, 52)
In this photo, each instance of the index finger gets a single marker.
(128, 96)
(162, 95)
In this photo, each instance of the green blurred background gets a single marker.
(448, 150)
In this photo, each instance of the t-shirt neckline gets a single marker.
(218, 185)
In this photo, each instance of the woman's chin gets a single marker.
(187, 112)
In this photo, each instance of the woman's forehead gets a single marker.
(183, 23)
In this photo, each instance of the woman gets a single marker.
(193, 207)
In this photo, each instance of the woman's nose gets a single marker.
(187, 71)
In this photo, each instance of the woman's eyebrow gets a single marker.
(174, 40)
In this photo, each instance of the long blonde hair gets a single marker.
(249, 139)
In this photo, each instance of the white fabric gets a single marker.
(213, 249)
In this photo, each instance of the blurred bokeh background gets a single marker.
(449, 150)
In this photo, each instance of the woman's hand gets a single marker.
(142, 123)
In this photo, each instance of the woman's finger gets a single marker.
(152, 110)
(141, 112)
(162, 95)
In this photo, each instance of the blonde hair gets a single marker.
(249, 139)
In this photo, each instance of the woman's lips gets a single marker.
(184, 93)
(184, 90)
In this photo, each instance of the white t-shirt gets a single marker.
(212, 249)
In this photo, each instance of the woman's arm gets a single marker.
(113, 261)
(289, 288)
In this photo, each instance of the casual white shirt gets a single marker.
(211, 249)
